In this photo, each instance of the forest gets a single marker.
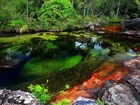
(58, 15)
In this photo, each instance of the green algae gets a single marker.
(27, 37)
(70, 62)
(37, 67)
(50, 45)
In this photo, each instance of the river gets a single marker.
(76, 59)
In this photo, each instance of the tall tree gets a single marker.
(55, 12)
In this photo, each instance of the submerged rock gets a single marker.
(8, 97)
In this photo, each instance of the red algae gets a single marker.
(107, 71)
(113, 29)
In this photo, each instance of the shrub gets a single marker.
(16, 24)
(40, 92)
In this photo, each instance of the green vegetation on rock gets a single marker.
(40, 92)
(63, 102)
(100, 102)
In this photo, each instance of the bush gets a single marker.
(34, 25)
(16, 24)
(40, 92)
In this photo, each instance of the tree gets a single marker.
(55, 12)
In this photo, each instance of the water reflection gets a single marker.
(93, 39)
(129, 50)
(97, 46)
(9, 54)
(92, 43)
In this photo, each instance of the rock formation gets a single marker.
(124, 92)
(128, 91)
(132, 24)
(8, 97)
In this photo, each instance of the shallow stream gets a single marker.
(62, 58)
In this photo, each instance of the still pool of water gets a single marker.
(62, 58)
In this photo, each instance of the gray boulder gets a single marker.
(8, 97)
(84, 101)
(119, 94)
(133, 79)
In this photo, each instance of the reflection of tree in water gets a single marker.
(10, 54)
(89, 44)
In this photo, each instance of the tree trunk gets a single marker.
(125, 12)
(27, 11)
(85, 6)
(72, 2)
(118, 9)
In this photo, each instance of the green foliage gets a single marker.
(61, 92)
(21, 6)
(34, 25)
(4, 18)
(88, 19)
(100, 102)
(40, 92)
(67, 86)
(109, 19)
(54, 14)
(16, 24)
(63, 102)
(59, 15)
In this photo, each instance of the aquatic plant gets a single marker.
(100, 102)
(67, 86)
(63, 102)
(40, 92)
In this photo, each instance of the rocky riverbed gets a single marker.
(120, 88)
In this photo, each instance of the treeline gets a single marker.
(57, 15)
